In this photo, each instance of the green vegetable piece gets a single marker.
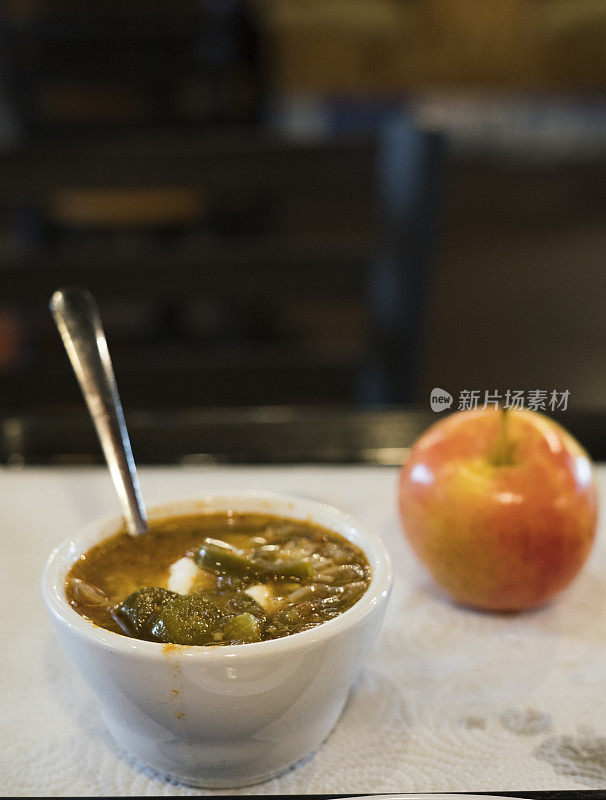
(139, 609)
(242, 629)
(224, 561)
(189, 619)
(199, 619)
(289, 569)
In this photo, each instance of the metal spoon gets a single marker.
(77, 317)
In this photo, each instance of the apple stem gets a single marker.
(503, 453)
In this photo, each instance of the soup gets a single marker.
(218, 579)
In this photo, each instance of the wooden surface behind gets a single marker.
(385, 45)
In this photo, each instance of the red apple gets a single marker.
(501, 507)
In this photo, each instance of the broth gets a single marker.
(218, 579)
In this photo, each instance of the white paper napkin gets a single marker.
(450, 700)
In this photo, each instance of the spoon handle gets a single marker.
(77, 317)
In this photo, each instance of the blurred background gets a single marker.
(302, 204)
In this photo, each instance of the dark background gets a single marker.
(305, 204)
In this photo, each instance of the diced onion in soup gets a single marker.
(262, 594)
(182, 575)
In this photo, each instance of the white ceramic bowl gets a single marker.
(223, 716)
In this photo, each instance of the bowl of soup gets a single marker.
(221, 644)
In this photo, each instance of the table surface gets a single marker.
(450, 699)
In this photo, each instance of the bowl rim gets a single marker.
(65, 554)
